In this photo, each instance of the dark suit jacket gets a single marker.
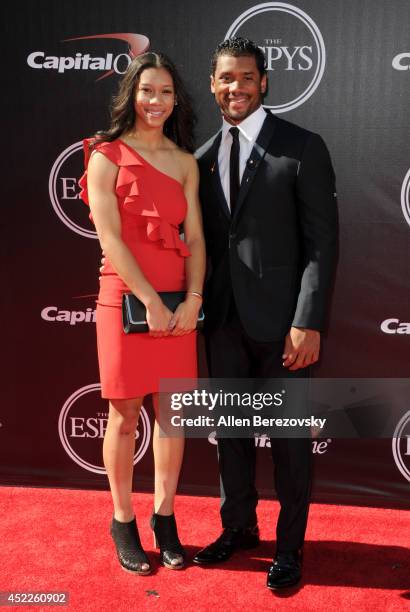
(278, 252)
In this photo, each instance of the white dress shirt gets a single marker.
(249, 129)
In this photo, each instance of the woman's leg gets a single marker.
(118, 454)
(168, 454)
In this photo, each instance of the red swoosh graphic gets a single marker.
(137, 44)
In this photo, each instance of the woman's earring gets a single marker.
(176, 103)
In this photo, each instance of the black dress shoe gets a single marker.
(229, 541)
(286, 570)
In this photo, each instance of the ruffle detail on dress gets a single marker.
(120, 156)
(127, 184)
(160, 230)
(157, 228)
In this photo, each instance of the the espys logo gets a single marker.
(82, 424)
(109, 62)
(65, 193)
(294, 50)
(405, 197)
(401, 445)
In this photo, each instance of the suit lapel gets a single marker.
(257, 154)
(212, 167)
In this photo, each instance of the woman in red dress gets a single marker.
(141, 183)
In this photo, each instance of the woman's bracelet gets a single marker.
(196, 294)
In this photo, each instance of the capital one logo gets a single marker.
(294, 51)
(395, 326)
(405, 197)
(401, 61)
(108, 62)
(81, 313)
(319, 447)
(82, 424)
(401, 445)
(65, 193)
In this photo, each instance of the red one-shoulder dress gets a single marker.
(152, 205)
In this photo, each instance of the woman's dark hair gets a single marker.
(239, 47)
(178, 127)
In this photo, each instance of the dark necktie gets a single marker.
(234, 169)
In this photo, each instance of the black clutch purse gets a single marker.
(134, 315)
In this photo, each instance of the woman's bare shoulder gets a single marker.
(186, 159)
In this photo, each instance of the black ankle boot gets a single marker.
(166, 538)
(128, 544)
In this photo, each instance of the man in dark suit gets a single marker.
(268, 199)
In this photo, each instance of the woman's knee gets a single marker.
(124, 415)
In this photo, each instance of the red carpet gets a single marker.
(356, 559)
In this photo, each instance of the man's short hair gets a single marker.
(239, 47)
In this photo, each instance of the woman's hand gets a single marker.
(185, 316)
(158, 319)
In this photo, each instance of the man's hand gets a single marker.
(302, 348)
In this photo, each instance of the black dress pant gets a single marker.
(232, 354)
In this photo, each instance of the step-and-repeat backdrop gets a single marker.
(340, 68)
